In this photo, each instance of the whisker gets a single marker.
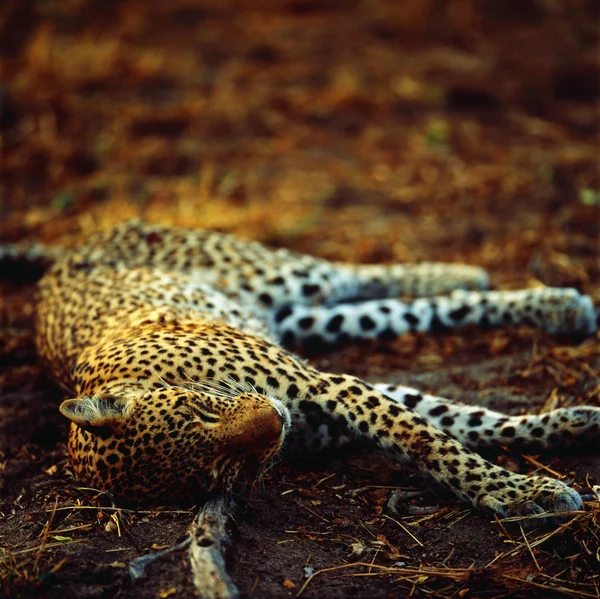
(236, 384)
(165, 383)
(210, 387)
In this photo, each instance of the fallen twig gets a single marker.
(458, 574)
(137, 566)
(209, 542)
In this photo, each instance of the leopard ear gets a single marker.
(92, 412)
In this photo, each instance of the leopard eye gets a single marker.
(201, 418)
(209, 419)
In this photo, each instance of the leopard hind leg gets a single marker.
(480, 428)
(416, 280)
(555, 310)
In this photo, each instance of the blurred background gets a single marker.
(360, 130)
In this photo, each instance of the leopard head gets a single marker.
(171, 443)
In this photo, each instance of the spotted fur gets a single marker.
(171, 342)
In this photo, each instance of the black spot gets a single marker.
(426, 436)
(385, 309)
(310, 289)
(112, 458)
(101, 465)
(387, 421)
(292, 391)
(508, 431)
(438, 411)
(363, 426)
(447, 421)
(460, 313)
(334, 325)
(273, 382)
(367, 323)
(452, 466)
(355, 390)
(283, 314)
(266, 299)
(538, 432)
(331, 405)
(372, 402)
(276, 281)
(412, 320)
(306, 322)
(82, 266)
(411, 400)
(471, 463)
(434, 465)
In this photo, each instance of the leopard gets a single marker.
(180, 353)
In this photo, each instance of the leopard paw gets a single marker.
(570, 312)
(531, 496)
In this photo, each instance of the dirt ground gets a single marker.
(364, 131)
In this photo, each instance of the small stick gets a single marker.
(137, 566)
(209, 541)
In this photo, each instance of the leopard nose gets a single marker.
(259, 429)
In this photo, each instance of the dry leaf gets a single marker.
(288, 584)
(158, 547)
